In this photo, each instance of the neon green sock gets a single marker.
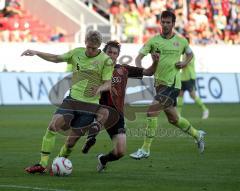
(47, 146)
(199, 102)
(179, 105)
(65, 151)
(150, 133)
(185, 126)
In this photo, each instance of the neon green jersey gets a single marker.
(88, 72)
(170, 53)
(188, 72)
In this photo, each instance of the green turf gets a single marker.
(174, 164)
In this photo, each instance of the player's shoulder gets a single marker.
(181, 38)
(72, 52)
(120, 69)
(79, 50)
(156, 37)
(123, 67)
(103, 56)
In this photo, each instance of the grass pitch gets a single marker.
(174, 164)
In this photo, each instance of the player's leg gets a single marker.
(164, 98)
(180, 102)
(152, 117)
(150, 132)
(191, 88)
(94, 129)
(48, 143)
(185, 126)
(106, 116)
(118, 152)
(57, 123)
(118, 137)
(198, 101)
(79, 125)
(185, 87)
(70, 142)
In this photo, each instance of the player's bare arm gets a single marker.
(186, 61)
(46, 56)
(138, 60)
(152, 69)
(106, 86)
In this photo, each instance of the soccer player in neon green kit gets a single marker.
(92, 73)
(167, 82)
(188, 76)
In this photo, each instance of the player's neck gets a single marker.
(168, 36)
(92, 56)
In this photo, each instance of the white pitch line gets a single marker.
(28, 187)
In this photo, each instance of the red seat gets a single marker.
(24, 22)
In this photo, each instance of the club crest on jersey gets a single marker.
(176, 44)
(95, 62)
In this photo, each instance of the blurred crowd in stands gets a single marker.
(18, 25)
(135, 21)
(202, 21)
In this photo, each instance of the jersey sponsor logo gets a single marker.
(169, 52)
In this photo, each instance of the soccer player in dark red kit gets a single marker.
(115, 99)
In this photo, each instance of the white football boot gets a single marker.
(139, 154)
(200, 141)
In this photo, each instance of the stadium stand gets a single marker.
(132, 21)
(19, 25)
(203, 21)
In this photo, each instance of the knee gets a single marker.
(192, 96)
(56, 126)
(52, 127)
(59, 122)
(181, 93)
(152, 114)
(104, 113)
(173, 120)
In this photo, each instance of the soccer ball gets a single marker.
(61, 166)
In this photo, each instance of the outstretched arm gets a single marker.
(138, 60)
(43, 55)
(152, 69)
(137, 72)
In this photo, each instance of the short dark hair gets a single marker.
(112, 43)
(168, 14)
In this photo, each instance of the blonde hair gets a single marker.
(94, 37)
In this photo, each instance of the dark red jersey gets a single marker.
(115, 97)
